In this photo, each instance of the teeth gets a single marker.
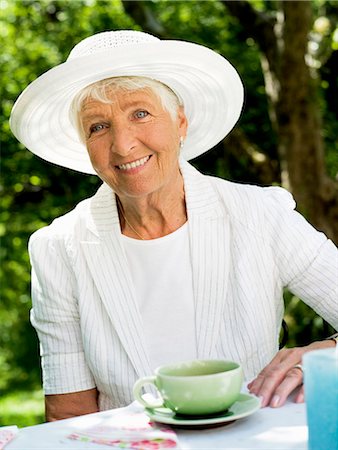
(132, 165)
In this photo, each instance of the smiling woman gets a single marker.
(133, 144)
(162, 264)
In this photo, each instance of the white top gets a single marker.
(162, 276)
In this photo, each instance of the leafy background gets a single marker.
(36, 35)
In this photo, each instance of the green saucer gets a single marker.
(245, 405)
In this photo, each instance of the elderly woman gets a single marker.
(163, 263)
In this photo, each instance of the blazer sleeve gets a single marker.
(308, 261)
(55, 316)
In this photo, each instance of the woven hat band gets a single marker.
(108, 40)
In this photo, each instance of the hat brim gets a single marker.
(210, 87)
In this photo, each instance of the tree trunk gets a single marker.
(294, 100)
(300, 143)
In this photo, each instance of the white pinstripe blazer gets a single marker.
(247, 244)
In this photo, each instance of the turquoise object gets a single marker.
(321, 396)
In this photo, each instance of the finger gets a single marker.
(300, 398)
(250, 384)
(254, 385)
(267, 377)
(293, 378)
(270, 378)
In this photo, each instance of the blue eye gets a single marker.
(141, 114)
(97, 127)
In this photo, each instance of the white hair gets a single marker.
(100, 91)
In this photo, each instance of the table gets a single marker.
(268, 428)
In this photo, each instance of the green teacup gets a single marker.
(194, 387)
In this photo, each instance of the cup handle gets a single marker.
(140, 398)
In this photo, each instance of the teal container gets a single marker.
(321, 396)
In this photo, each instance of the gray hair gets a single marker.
(100, 91)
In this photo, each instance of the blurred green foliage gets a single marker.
(36, 35)
(22, 408)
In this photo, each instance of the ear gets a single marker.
(182, 122)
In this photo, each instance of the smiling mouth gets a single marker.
(134, 164)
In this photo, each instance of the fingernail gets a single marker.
(261, 398)
(275, 401)
(300, 398)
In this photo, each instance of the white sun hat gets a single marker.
(208, 85)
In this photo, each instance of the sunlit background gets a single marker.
(270, 145)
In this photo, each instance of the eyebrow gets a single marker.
(91, 117)
(134, 103)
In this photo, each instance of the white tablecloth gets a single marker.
(280, 428)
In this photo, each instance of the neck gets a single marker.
(154, 215)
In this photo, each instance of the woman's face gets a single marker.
(133, 143)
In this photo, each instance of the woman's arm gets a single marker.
(68, 383)
(64, 406)
(307, 262)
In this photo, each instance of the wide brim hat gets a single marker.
(208, 85)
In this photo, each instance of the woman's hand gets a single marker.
(280, 377)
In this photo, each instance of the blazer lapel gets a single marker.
(107, 263)
(209, 241)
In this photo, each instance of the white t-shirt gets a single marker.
(161, 270)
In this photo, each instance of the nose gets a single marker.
(123, 138)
